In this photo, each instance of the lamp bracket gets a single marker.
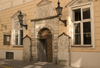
(64, 21)
(23, 25)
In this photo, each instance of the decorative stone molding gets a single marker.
(76, 2)
(7, 33)
(16, 14)
(43, 2)
(64, 34)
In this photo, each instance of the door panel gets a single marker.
(49, 50)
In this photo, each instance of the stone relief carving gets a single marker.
(44, 11)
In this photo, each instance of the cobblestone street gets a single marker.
(20, 64)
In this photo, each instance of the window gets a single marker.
(9, 55)
(82, 19)
(17, 33)
(6, 39)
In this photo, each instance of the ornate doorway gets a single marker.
(45, 45)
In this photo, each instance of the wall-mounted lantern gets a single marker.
(59, 12)
(20, 17)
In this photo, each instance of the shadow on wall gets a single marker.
(21, 64)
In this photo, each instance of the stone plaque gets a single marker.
(63, 50)
(26, 50)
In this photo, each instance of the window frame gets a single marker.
(5, 40)
(71, 22)
(14, 20)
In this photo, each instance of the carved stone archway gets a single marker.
(52, 25)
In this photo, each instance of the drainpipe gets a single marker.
(69, 54)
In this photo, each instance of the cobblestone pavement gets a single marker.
(4, 63)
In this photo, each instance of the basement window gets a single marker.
(9, 55)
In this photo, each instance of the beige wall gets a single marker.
(6, 4)
(28, 8)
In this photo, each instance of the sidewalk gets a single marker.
(4, 63)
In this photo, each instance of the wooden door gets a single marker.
(49, 50)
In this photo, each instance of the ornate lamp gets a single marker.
(20, 17)
(59, 9)
(59, 12)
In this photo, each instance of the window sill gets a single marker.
(83, 46)
(6, 44)
(17, 45)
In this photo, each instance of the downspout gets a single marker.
(31, 50)
(69, 54)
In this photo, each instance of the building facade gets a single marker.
(46, 37)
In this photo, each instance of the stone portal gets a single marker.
(44, 19)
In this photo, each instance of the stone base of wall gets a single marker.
(63, 63)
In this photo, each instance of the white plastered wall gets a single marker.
(18, 54)
(85, 59)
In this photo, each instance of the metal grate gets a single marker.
(9, 55)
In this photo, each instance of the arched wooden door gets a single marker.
(45, 46)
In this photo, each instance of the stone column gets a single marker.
(55, 49)
(34, 49)
(34, 43)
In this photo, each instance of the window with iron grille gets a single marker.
(9, 55)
